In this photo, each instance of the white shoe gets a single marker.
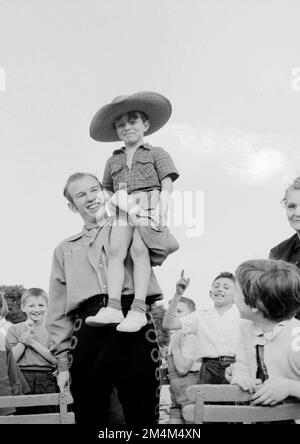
(106, 315)
(134, 321)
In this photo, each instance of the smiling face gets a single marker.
(222, 292)
(131, 128)
(87, 198)
(35, 308)
(292, 206)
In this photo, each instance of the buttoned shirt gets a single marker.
(281, 350)
(217, 335)
(79, 271)
(150, 165)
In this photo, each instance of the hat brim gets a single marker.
(157, 107)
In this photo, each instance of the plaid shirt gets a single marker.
(150, 165)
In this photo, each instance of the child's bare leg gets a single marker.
(119, 243)
(136, 317)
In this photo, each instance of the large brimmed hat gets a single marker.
(157, 107)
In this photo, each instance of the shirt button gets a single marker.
(100, 265)
(105, 286)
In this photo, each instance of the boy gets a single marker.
(216, 329)
(268, 295)
(182, 366)
(29, 340)
(141, 177)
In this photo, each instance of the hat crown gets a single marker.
(119, 99)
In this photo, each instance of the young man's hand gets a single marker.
(271, 392)
(182, 284)
(63, 380)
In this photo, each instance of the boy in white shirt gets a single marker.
(217, 329)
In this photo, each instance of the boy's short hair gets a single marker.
(273, 287)
(3, 306)
(134, 115)
(35, 293)
(295, 186)
(189, 303)
(224, 274)
(72, 178)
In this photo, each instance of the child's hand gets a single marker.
(271, 392)
(182, 284)
(245, 382)
(27, 338)
(63, 380)
(178, 336)
(228, 373)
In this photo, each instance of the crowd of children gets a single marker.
(249, 337)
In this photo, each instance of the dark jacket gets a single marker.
(284, 250)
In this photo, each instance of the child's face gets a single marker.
(239, 300)
(35, 308)
(182, 310)
(292, 207)
(131, 130)
(222, 292)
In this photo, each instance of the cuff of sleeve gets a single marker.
(62, 363)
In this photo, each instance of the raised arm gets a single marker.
(170, 321)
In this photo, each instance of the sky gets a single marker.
(231, 69)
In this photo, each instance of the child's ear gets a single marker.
(72, 207)
(210, 293)
(146, 125)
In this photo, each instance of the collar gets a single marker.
(121, 150)
(89, 232)
(297, 243)
(268, 335)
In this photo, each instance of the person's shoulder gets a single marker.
(155, 150)
(17, 327)
(282, 245)
(66, 243)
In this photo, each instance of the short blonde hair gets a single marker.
(35, 293)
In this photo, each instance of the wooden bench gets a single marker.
(201, 411)
(52, 399)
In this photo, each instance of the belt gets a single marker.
(221, 359)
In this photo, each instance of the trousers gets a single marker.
(102, 358)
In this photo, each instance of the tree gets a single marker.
(12, 294)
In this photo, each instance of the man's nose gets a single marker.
(297, 210)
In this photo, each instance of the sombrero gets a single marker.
(157, 107)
